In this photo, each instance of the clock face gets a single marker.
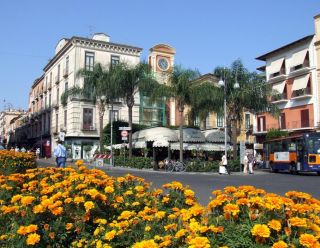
(163, 64)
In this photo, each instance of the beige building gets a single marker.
(77, 122)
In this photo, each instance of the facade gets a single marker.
(77, 122)
(293, 73)
(7, 117)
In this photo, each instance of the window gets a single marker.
(58, 72)
(57, 122)
(65, 119)
(304, 118)
(67, 65)
(115, 60)
(50, 78)
(219, 120)
(89, 61)
(197, 121)
(66, 86)
(87, 119)
(114, 114)
(49, 99)
(49, 122)
(57, 95)
(247, 121)
(46, 82)
(283, 121)
(45, 101)
(261, 124)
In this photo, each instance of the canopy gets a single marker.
(139, 144)
(192, 135)
(279, 87)
(215, 136)
(275, 66)
(160, 143)
(298, 58)
(117, 146)
(156, 133)
(300, 82)
(199, 146)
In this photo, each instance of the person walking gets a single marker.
(250, 162)
(223, 165)
(245, 163)
(60, 152)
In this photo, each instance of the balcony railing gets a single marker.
(306, 92)
(91, 127)
(280, 98)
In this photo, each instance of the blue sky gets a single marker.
(205, 33)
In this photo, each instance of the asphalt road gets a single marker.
(204, 183)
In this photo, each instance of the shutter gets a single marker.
(305, 118)
(283, 121)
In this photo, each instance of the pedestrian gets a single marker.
(223, 165)
(17, 149)
(23, 149)
(38, 153)
(251, 162)
(245, 163)
(60, 152)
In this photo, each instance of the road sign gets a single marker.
(61, 136)
(124, 133)
(99, 162)
(124, 128)
(125, 138)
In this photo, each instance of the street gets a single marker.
(204, 183)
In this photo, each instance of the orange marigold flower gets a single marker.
(110, 235)
(260, 230)
(52, 235)
(275, 225)
(33, 238)
(308, 240)
(146, 244)
(119, 199)
(69, 226)
(299, 222)
(88, 205)
(199, 242)
(46, 227)
(231, 209)
(125, 215)
(280, 244)
(188, 193)
(27, 200)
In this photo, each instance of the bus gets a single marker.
(298, 153)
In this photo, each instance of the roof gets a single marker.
(209, 77)
(215, 136)
(69, 43)
(288, 46)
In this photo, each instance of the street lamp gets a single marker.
(224, 85)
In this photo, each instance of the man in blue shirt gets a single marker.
(60, 152)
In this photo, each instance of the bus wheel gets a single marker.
(293, 169)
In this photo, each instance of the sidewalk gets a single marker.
(51, 162)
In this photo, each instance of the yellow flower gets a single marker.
(38, 209)
(280, 244)
(119, 199)
(231, 209)
(180, 233)
(199, 242)
(33, 238)
(188, 193)
(147, 228)
(261, 231)
(88, 205)
(160, 214)
(308, 240)
(125, 215)
(16, 198)
(27, 200)
(110, 235)
(275, 225)
(146, 244)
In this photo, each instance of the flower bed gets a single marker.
(16, 162)
(53, 207)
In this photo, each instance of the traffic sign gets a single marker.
(124, 128)
(125, 138)
(124, 133)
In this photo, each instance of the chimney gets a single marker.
(317, 27)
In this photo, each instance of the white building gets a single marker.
(79, 120)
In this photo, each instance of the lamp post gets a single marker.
(223, 83)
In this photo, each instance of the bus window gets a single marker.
(292, 147)
(314, 145)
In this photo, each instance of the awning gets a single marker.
(298, 58)
(215, 136)
(139, 144)
(275, 66)
(117, 146)
(279, 87)
(300, 82)
(160, 143)
(156, 133)
(199, 146)
(192, 135)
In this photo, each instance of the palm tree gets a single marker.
(133, 79)
(181, 88)
(253, 96)
(99, 86)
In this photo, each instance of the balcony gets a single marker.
(301, 94)
(86, 127)
(278, 76)
(299, 70)
(279, 98)
(65, 72)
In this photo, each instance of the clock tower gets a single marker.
(161, 113)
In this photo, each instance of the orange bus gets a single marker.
(299, 153)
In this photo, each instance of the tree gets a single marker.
(253, 96)
(133, 79)
(181, 88)
(100, 87)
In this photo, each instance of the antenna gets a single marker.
(91, 29)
